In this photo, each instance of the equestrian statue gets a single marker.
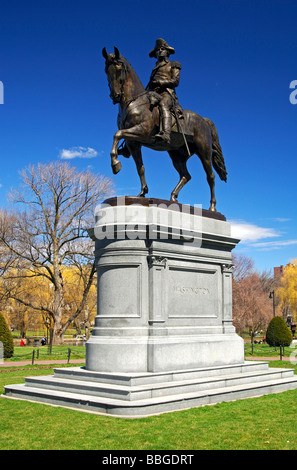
(152, 117)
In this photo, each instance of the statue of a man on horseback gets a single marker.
(139, 120)
(164, 79)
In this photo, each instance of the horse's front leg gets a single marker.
(134, 134)
(115, 163)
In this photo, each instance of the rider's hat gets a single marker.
(159, 43)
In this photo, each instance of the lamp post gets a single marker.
(271, 296)
(47, 322)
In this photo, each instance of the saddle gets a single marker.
(176, 127)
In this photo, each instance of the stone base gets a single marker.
(164, 288)
(135, 395)
(163, 338)
(162, 353)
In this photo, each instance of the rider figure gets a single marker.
(164, 79)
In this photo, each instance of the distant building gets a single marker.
(278, 272)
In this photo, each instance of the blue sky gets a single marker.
(238, 60)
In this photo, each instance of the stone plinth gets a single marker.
(163, 338)
(164, 288)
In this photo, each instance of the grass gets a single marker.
(77, 352)
(265, 350)
(264, 423)
(24, 353)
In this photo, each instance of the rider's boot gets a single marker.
(164, 134)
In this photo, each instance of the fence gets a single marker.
(36, 354)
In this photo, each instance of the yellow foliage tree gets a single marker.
(75, 282)
(30, 299)
(287, 292)
(22, 291)
(49, 231)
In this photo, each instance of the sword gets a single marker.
(180, 127)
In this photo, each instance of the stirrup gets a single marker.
(162, 138)
(123, 150)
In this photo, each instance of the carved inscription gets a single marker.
(191, 290)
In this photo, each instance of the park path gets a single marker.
(277, 358)
(37, 362)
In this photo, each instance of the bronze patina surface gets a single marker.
(152, 117)
(129, 200)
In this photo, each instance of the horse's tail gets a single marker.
(217, 154)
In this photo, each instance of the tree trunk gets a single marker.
(58, 295)
(58, 310)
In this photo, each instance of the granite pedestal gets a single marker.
(164, 290)
(163, 338)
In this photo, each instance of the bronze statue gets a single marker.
(164, 79)
(139, 123)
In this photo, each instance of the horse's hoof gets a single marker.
(116, 167)
(212, 208)
(173, 198)
(143, 192)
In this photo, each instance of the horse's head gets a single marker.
(116, 72)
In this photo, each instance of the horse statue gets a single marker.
(139, 121)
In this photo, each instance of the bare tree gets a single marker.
(7, 258)
(49, 231)
(251, 305)
(243, 266)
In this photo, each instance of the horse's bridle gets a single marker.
(117, 61)
(121, 79)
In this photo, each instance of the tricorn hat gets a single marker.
(161, 43)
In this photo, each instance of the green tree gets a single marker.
(278, 334)
(6, 338)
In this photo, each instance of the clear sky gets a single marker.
(238, 60)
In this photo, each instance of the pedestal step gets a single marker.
(144, 394)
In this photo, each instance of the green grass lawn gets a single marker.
(265, 350)
(264, 423)
(24, 353)
(78, 352)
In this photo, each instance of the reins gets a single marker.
(122, 78)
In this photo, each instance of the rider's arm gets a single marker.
(175, 77)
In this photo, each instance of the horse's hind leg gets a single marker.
(179, 161)
(205, 158)
(137, 156)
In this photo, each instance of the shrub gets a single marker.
(6, 338)
(278, 334)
